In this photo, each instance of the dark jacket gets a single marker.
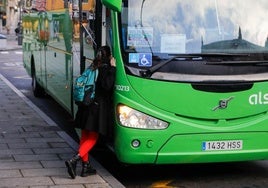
(98, 116)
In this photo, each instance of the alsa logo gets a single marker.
(258, 98)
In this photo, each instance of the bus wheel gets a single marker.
(38, 91)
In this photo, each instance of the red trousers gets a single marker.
(87, 142)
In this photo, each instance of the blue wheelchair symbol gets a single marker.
(145, 60)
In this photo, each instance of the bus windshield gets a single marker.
(154, 31)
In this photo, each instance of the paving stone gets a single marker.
(22, 135)
(103, 185)
(44, 172)
(19, 165)
(12, 140)
(36, 157)
(60, 186)
(18, 182)
(29, 145)
(7, 128)
(43, 140)
(53, 164)
(58, 145)
(3, 146)
(6, 157)
(10, 173)
(94, 179)
(49, 134)
(52, 150)
(17, 151)
(39, 128)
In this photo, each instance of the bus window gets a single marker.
(86, 23)
(176, 29)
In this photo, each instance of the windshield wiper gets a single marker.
(242, 62)
(219, 58)
(240, 59)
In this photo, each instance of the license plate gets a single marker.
(222, 145)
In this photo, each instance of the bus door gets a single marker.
(88, 33)
(88, 37)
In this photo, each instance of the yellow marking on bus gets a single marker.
(162, 184)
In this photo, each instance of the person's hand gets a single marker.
(113, 62)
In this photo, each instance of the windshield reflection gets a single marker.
(194, 26)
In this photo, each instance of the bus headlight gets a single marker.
(129, 117)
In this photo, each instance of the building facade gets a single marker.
(10, 12)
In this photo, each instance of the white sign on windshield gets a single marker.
(140, 36)
(173, 43)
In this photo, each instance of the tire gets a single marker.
(38, 91)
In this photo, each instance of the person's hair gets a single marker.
(102, 57)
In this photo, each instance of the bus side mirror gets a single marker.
(113, 4)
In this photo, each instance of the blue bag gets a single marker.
(84, 87)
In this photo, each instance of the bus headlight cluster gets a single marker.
(129, 117)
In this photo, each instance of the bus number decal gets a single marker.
(122, 88)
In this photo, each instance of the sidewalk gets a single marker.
(33, 148)
(11, 42)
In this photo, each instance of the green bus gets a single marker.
(192, 76)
